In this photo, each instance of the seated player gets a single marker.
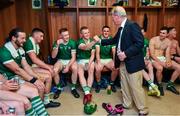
(85, 55)
(45, 71)
(175, 49)
(160, 53)
(105, 60)
(14, 65)
(149, 76)
(64, 49)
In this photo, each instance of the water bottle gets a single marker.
(16, 79)
(11, 110)
(109, 89)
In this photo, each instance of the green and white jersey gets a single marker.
(10, 54)
(84, 54)
(31, 46)
(106, 51)
(65, 50)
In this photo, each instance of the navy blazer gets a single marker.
(132, 42)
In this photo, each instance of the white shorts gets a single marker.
(105, 61)
(161, 58)
(83, 61)
(64, 62)
(34, 65)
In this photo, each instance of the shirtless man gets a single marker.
(174, 50)
(160, 53)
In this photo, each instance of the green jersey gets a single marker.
(84, 54)
(106, 51)
(31, 46)
(10, 54)
(146, 44)
(65, 50)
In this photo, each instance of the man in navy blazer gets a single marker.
(129, 57)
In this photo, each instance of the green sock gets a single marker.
(58, 86)
(30, 112)
(46, 98)
(38, 106)
(98, 83)
(111, 82)
(73, 86)
(151, 83)
(86, 89)
(170, 83)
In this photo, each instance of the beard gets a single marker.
(18, 43)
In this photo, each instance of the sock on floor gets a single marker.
(30, 112)
(38, 106)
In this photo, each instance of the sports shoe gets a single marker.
(160, 87)
(172, 89)
(56, 94)
(87, 98)
(152, 92)
(52, 104)
(98, 88)
(155, 88)
(75, 93)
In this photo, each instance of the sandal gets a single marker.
(119, 110)
(108, 108)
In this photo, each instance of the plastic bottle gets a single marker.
(109, 89)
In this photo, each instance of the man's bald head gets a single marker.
(118, 10)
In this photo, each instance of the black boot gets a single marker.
(52, 104)
(113, 88)
(160, 87)
(98, 88)
(170, 86)
(75, 93)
